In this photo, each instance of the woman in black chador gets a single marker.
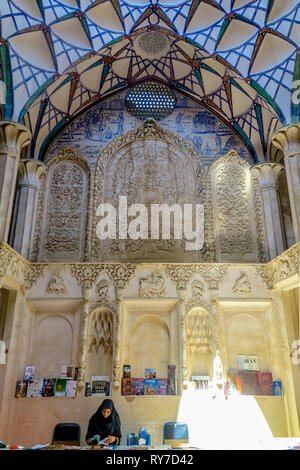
(105, 423)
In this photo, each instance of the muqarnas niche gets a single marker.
(199, 342)
(100, 344)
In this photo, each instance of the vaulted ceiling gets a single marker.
(236, 57)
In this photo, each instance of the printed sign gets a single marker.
(247, 362)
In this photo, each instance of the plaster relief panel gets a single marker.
(151, 282)
(56, 285)
(242, 285)
(149, 166)
(152, 286)
(102, 289)
(64, 215)
(197, 289)
(236, 219)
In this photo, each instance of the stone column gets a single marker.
(28, 185)
(288, 140)
(117, 340)
(13, 137)
(84, 323)
(221, 343)
(267, 174)
(182, 341)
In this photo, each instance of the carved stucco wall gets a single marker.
(249, 321)
(169, 166)
(62, 228)
(237, 211)
(148, 165)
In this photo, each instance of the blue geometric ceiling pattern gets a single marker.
(236, 57)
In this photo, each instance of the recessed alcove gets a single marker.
(100, 344)
(198, 331)
(150, 329)
(53, 327)
(249, 331)
(246, 336)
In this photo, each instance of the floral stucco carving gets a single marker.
(236, 207)
(180, 274)
(114, 163)
(87, 274)
(63, 215)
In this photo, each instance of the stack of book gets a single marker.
(252, 383)
(255, 383)
(65, 386)
(150, 385)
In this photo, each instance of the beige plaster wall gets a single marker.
(239, 418)
(292, 311)
(44, 329)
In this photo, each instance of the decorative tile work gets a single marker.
(92, 131)
(45, 41)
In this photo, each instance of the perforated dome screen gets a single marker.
(150, 100)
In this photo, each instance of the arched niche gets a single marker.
(199, 342)
(246, 336)
(100, 344)
(149, 346)
(149, 165)
(62, 213)
(51, 345)
(236, 206)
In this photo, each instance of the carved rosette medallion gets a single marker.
(120, 273)
(266, 273)
(180, 274)
(214, 274)
(86, 274)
